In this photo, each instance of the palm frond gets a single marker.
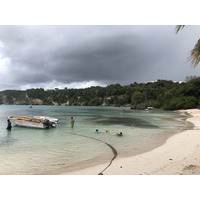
(195, 54)
(179, 27)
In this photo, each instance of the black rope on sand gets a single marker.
(112, 148)
(115, 155)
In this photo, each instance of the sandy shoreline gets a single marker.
(179, 155)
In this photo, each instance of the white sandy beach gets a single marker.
(180, 155)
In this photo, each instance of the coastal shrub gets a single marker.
(154, 103)
(180, 103)
(94, 102)
(190, 102)
(137, 98)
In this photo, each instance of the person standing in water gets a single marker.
(9, 125)
(72, 122)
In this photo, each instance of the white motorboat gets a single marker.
(47, 118)
(31, 122)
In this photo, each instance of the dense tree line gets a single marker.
(162, 94)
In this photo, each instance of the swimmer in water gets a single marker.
(120, 134)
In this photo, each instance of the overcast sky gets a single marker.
(84, 56)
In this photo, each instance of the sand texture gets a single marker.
(180, 155)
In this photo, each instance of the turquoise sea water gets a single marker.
(36, 151)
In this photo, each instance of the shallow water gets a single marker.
(35, 151)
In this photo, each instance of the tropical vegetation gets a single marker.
(161, 94)
(195, 52)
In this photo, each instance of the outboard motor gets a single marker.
(46, 123)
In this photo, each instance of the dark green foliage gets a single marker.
(154, 103)
(161, 94)
(36, 93)
(180, 103)
(137, 97)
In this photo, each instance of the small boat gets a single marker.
(30, 106)
(31, 122)
(48, 118)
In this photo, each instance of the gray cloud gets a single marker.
(106, 54)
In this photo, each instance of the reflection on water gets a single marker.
(7, 140)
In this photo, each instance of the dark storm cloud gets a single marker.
(107, 54)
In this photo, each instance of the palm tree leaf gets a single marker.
(195, 54)
(179, 27)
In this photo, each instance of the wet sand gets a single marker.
(179, 155)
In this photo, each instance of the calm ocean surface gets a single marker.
(35, 151)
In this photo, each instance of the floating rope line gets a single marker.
(110, 146)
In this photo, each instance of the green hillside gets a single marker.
(162, 94)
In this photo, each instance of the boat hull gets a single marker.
(27, 122)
